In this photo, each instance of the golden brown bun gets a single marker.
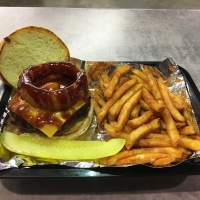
(1, 44)
(29, 46)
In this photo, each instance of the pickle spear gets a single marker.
(37, 146)
(4, 153)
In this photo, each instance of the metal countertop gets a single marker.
(113, 35)
(117, 34)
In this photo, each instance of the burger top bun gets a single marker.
(29, 46)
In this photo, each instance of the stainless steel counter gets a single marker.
(113, 35)
(105, 34)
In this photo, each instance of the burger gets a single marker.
(50, 98)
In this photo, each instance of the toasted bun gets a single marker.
(29, 46)
(1, 44)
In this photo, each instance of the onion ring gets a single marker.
(73, 85)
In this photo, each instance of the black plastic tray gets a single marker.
(189, 167)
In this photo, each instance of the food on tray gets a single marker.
(29, 46)
(94, 68)
(52, 108)
(5, 154)
(52, 104)
(158, 126)
(50, 94)
(33, 145)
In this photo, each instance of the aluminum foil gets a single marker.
(167, 69)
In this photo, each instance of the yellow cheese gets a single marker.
(48, 122)
(50, 129)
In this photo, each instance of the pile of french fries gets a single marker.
(135, 104)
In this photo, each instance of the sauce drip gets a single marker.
(37, 117)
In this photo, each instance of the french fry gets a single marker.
(105, 78)
(141, 159)
(176, 152)
(115, 78)
(165, 94)
(141, 81)
(190, 144)
(116, 108)
(103, 161)
(123, 69)
(154, 87)
(144, 105)
(149, 70)
(154, 142)
(177, 101)
(184, 157)
(163, 161)
(113, 123)
(99, 92)
(187, 114)
(118, 94)
(92, 66)
(121, 82)
(187, 130)
(186, 151)
(152, 103)
(134, 123)
(105, 85)
(95, 106)
(171, 127)
(140, 74)
(135, 111)
(126, 110)
(95, 75)
(123, 154)
(101, 86)
(178, 124)
(128, 129)
(158, 136)
(97, 98)
(111, 87)
(111, 131)
(140, 132)
(162, 103)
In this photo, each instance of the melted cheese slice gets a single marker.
(48, 122)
